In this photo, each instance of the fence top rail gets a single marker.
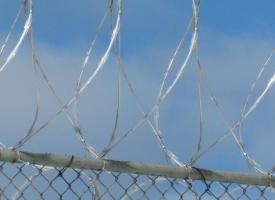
(71, 161)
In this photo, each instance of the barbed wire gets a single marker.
(70, 108)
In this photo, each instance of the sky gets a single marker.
(235, 39)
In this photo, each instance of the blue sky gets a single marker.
(236, 37)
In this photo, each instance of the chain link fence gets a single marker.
(26, 176)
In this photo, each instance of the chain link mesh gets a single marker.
(27, 181)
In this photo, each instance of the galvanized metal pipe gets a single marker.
(70, 161)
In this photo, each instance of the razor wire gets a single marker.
(70, 107)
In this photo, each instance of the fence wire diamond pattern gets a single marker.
(27, 181)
